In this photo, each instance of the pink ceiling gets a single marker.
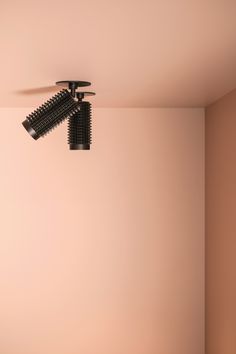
(136, 53)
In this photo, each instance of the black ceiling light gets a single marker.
(66, 104)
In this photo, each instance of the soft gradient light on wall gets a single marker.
(106, 251)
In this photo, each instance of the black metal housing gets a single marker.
(79, 127)
(66, 104)
(50, 114)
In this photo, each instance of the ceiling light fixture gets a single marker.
(66, 104)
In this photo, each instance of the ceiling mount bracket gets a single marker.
(72, 85)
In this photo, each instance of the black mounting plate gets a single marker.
(81, 94)
(73, 83)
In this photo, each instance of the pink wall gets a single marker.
(221, 226)
(102, 252)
